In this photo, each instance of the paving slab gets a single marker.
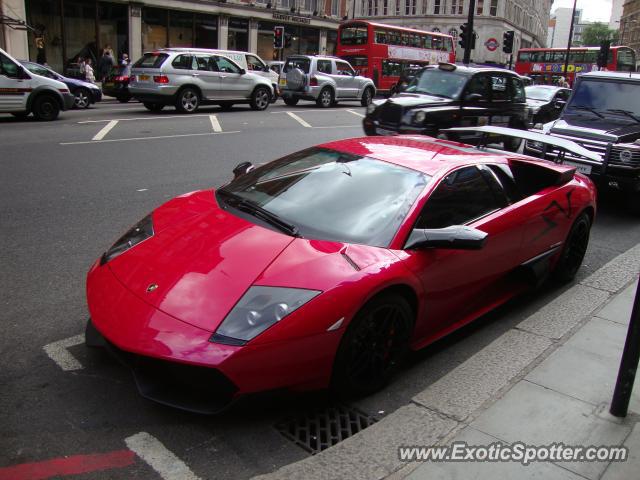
(539, 416)
(460, 392)
(603, 337)
(628, 469)
(619, 308)
(616, 274)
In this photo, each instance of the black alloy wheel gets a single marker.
(575, 247)
(81, 98)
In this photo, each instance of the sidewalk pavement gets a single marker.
(547, 380)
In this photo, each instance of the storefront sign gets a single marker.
(491, 44)
(291, 18)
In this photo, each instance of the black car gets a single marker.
(603, 115)
(545, 102)
(116, 84)
(452, 96)
(85, 93)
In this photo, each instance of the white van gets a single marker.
(23, 92)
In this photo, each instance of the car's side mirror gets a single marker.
(242, 169)
(22, 73)
(473, 97)
(242, 71)
(455, 237)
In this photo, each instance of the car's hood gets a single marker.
(607, 130)
(413, 100)
(79, 83)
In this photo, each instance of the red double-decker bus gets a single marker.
(384, 52)
(546, 65)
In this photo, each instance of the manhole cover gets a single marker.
(321, 428)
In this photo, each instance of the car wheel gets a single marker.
(46, 108)
(367, 96)
(373, 347)
(82, 98)
(153, 107)
(188, 100)
(260, 98)
(291, 101)
(575, 247)
(226, 106)
(325, 99)
(124, 98)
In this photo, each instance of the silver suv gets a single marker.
(188, 78)
(326, 80)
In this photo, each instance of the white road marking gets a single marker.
(215, 124)
(106, 129)
(142, 190)
(357, 114)
(58, 352)
(158, 457)
(298, 119)
(149, 138)
(304, 110)
(166, 117)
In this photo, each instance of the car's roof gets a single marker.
(612, 75)
(547, 87)
(418, 152)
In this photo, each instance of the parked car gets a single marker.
(84, 93)
(24, 92)
(325, 80)
(325, 267)
(452, 96)
(603, 115)
(116, 83)
(545, 102)
(188, 78)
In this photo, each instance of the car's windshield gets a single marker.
(539, 93)
(433, 81)
(605, 97)
(329, 195)
(302, 63)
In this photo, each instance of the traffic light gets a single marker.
(507, 41)
(463, 36)
(278, 37)
(287, 40)
(603, 53)
(474, 35)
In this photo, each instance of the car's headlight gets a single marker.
(371, 107)
(139, 232)
(419, 117)
(257, 310)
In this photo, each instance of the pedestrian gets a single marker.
(82, 68)
(105, 64)
(88, 72)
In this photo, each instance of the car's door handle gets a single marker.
(223, 76)
(195, 74)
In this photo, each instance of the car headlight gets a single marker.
(138, 233)
(257, 310)
(419, 117)
(370, 108)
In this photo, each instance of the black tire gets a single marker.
(226, 106)
(20, 115)
(188, 100)
(153, 107)
(124, 98)
(81, 98)
(326, 98)
(274, 96)
(633, 203)
(574, 249)
(374, 346)
(260, 98)
(367, 97)
(291, 101)
(46, 108)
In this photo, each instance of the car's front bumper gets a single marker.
(69, 100)
(309, 93)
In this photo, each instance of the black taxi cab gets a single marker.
(446, 96)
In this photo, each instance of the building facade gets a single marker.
(528, 18)
(616, 14)
(64, 30)
(559, 26)
(630, 25)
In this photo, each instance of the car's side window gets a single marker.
(478, 84)
(517, 90)
(563, 95)
(254, 63)
(182, 62)
(324, 66)
(207, 63)
(7, 67)
(499, 89)
(462, 196)
(225, 65)
(343, 68)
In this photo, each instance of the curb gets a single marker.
(438, 412)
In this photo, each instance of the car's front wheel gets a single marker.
(574, 249)
(260, 98)
(374, 345)
(367, 97)
(82, 98)
(46, 108)
(325, 99)
(188, 100)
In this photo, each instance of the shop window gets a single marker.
(238, 34)
(154, 28)
(206, 27)
(180, 29)
(46, 48)
(80, 30)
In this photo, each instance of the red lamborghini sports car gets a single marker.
(325, 267)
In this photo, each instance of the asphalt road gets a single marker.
(69, 188)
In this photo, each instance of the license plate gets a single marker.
(143, 78)
(586, 169)
(384, 131)
(283, 82)
(108, 84)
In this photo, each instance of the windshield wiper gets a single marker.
(248, 206)
(627, 113)
(587, 109)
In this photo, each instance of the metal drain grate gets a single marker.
(321, 428)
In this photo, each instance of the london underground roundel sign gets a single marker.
(491, 44)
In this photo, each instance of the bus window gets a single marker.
(381, 36)
(590, 56)
(427, 40)
(449, 45)
(436, 43)
(524, 57)
(405, 39)
(391, 68)
(353, 35)
(626, 60)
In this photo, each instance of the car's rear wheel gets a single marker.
(82, 98)
(574, 249)
(374, 345)
(367, 97)
(325, 99)
(153, 107)
(188, 100)
(291, 101)
(260, 98)
(46, 108)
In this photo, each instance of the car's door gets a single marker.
(206, 76)
(501, 107)
(234, 84)
(345, 78)
(14, 90)
(460, 283)
(475, 104)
